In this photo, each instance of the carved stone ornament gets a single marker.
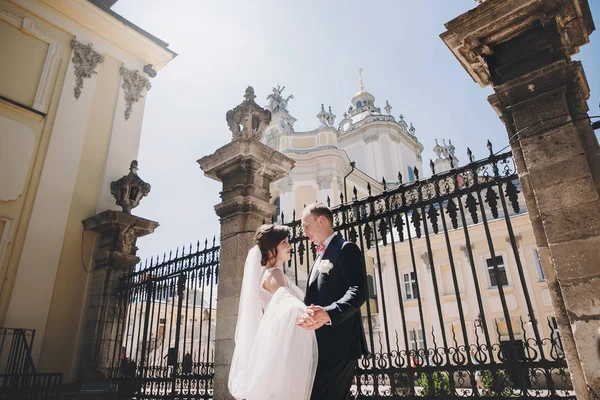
(324, 181)
(395, 138)
(248, 120)
(326, 119)
(517, 240)
(388, 108)
(425, 259)
(465, 250)
(133, 85)
(475, 53)
(286, 185)
(85, 60)
(129, 190)
(370, 138)
(276, 100)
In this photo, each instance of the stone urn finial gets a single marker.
(129, 190)
(248, 120)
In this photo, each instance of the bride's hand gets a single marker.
(304, 319)
(317, 317)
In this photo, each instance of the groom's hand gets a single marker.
(317, 318)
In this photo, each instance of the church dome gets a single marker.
(362, 99)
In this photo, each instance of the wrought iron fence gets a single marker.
(42, 386)
(18, 376)
(15, 351)
(168, 313)
(444, 324)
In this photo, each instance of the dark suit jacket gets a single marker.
(341, 292)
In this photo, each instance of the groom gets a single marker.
(336, 289)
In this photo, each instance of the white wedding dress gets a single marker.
(274, 359)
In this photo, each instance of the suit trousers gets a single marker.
(333, 380)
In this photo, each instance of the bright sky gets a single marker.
(313, 48)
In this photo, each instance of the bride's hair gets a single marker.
(268, 238)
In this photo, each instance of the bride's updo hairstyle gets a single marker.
(268, 238)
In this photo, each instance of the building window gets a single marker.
(501, 278)
(538, 264)
(358, 104)
(411, 174)
(161, 328)
(371, 287)
(411, 290)
(415, 338)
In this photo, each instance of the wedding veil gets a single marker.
(249, 316)
(273, 357)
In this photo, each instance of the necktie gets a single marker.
(320, 249)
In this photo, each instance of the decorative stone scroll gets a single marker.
(133, 85)
(85, 61)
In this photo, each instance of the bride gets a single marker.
(273, 357)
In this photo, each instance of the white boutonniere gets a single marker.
(324, 266)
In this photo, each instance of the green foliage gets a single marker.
(434, 384)
(499, 382)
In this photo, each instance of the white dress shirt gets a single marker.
(313, 274)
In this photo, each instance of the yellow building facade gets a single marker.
(73, 80)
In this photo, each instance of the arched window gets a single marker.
(411, 174)
(371, 287)
(358, 104)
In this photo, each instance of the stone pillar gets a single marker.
(523, 50)
(114, 255)
(246, 168)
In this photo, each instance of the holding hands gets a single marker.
(314, 318)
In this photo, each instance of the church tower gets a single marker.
(379, 145)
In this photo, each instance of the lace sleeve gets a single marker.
(280, 278)
(265, 275)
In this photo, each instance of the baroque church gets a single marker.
(367, 148)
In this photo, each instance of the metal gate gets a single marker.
(168, 311)
(452, 310)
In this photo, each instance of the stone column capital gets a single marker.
(118, 233)
(548, 29)
(246, 168)
(285, 185)
(245, 154)
(370, 138)
(324, 181)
